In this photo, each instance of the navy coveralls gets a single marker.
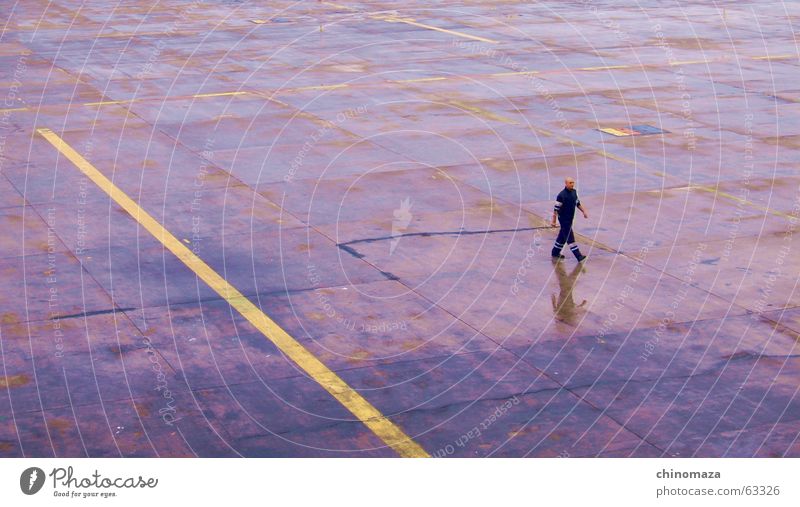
(566, 203)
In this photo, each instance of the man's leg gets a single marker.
(574, 246)
(560, 241)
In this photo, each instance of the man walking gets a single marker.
(566, 202)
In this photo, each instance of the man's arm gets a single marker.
(580, 207)
(556, 208)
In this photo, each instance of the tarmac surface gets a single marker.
(321, 229)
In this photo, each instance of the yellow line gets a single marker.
(412, 22)
(691, 62)
(615, 157)
(171, 97)
(714, 191)
(108, 102)
(437, 78)
(726, 195)
(606, 67)
(775, 57)
(219, 94)
(273, 99)
(392, 19)
(14, 109)
(125, 35)
(341, 6)
(421, 80)
(319, 87)
(563, 139)
(330, 381)
(720, 193)
(483, 112)
(519, 73)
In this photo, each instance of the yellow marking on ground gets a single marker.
(420, 80)
(170, 97)
(689, 62)
(341, 6)
(773, 57)
(716, 191)
(579, 144)
(15, 109)
(273, 99)
(517, 73)
(616, 157)
(37, 27)
(726, 195)
(434, 78)
(219, 94)
(14, 381)
(109, 102)
(561, 138)
(661, 174)
(318, 87)
(330, 381)
(163, 33)
(483, 112)
(409, 21)
(606, 67)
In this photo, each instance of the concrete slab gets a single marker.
(377, 178)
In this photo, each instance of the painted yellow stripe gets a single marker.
(715, 191)
(128, 35)
(437, 78)
(773, 57)
(518, 73)
(108, 102)
(141, 99)
(408, 21)
(420, 80)
(615, 157)
(352, 9)
(606, 67)
(711, 190)
(15, 109)
(691, 62)
(483, 112)
(273, 99)
(387, 431)
(218, 94)
(725, 195)
(319, 87)
(413, 22)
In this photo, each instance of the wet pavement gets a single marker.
(377, 178)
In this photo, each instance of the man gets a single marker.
(566, 202)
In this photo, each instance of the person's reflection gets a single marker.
(564, 306)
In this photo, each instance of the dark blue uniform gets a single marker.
(566, 203)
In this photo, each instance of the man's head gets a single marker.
(569, 183)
